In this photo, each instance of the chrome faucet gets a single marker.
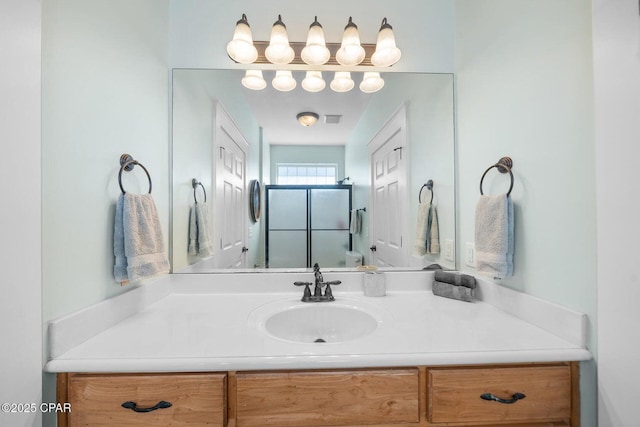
(317, 290)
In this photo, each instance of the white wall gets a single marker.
(524, 85)
(616, 43)
(20, 216)
(105, 93)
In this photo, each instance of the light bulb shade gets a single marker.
(386, 53)
(253, 80)
(241, 48)
(315, 51)
(342, 82)
(279, 51)
(371, 82)
(284, 81)
(350, 52)
(307, 118)
(313, 82)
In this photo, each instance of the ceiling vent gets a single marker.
(332, 119)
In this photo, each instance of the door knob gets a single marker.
(373, 248)
(245, 249)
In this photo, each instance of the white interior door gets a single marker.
(231, 204)
(388, 154)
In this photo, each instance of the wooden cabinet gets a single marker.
(327, 398)
(545, 395)
(143, 399)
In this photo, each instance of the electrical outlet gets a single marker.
(448, 250)
(470, 254)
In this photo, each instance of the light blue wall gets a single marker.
(525, 90)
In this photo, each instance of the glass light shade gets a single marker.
(371, 82)
(386, 53)
(342, 82)
(313, 82)
(315, 52)
(279, 51)
(284, 81)
(350, 52)
(241, 48)
(253, 80)
(307, 119)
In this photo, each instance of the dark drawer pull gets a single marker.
(514, 398)
(134, 407)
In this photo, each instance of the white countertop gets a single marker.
(193, 328)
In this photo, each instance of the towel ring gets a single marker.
(429, 186)
(127, 163)
(504, 165)
(194, 184)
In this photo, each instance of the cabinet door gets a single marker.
(454, 394)
(195, 400)
(327, 398)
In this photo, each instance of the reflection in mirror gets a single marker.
(408, 126)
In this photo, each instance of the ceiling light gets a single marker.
(253, 80)
(313, 82)
(350, 52)
(284, 81)
(315, 52)
(241, 48)
(386, 53)
(342, 82)
(371, 82)
(307, 118)
(279, 51)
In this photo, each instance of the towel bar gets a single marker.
(429, 186)
(504, 165)
(194, 184)
(127, 163)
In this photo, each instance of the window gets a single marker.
(307, 173)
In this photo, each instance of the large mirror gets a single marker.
(220, 127)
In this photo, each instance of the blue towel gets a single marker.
(138, 244)
(494, 236)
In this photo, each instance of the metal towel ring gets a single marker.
(504, 165)
(429, 186)
(195, 183)
(127, 163)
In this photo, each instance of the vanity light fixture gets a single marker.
(253, 80)
(342, 82)
(351, 51)
(387, 53)
(313, 82)
(315, 52)
(307, 118)
(371, 82)
(279, 51)
(283, 81)
(241, 48)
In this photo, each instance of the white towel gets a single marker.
(199, 236)
(494, 236)
(137, 239)
(427, 233)
(356, 222)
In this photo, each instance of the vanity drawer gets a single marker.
(327, 398)
(196, 399)
(454, 394)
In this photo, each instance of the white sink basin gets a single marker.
(320, 322)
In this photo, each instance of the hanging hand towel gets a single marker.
(433, 234)
(356, 222)
(422, 232)
(193, 232)
(494, 239)
(138, 243)
(205, 246)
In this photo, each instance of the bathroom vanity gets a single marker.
(183, 351)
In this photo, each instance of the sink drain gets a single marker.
(319, 340)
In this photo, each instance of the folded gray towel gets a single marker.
(138, 243)
(456, 278)
(448, 290)
(494, 238)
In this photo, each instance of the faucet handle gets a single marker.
(333, 282)
(302, 283)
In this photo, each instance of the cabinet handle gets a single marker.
(134, 407)
(514, 398)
